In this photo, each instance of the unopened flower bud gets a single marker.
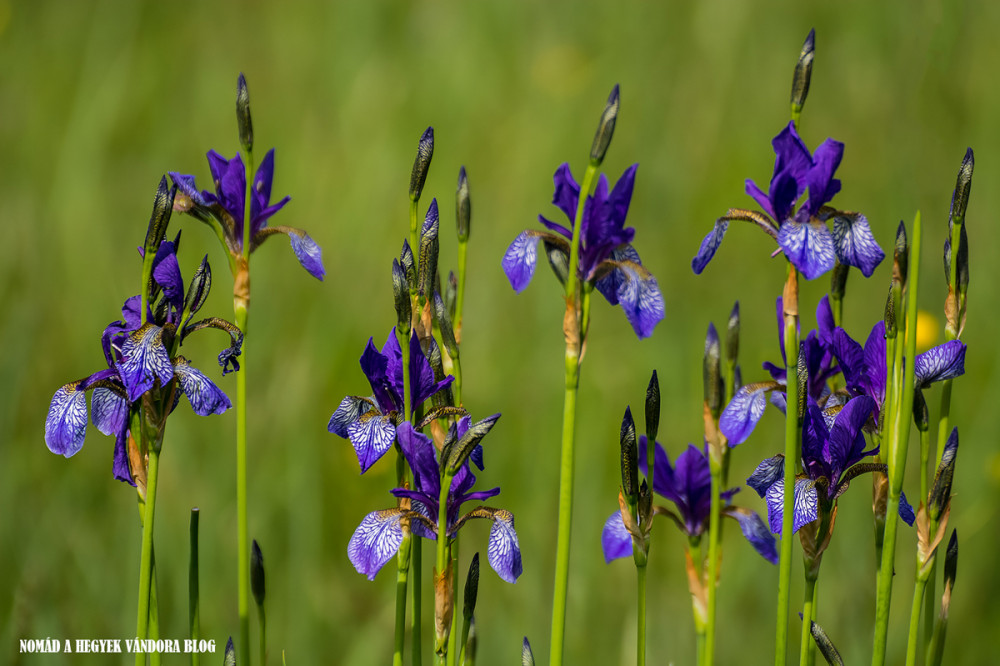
(951, 560)
(890, 316)
(900, 256)
(230, 657)
(802, 75)
(243, 121)
(527, 658)
(629, 459)
(711, 372)
(838, 281)
(428, 253)
(401, 298)
(605, 130)
(653, 407)
(733, 334)
(960, 197)
(940, 494)
(422, 163)
(257, 573)
(156, 231)
(444, 323)
(409, 266)
(471, 588)
(921, 416)
(463, 206)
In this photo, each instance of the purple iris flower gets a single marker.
(227, 206)
(607, 259)
(865, 367)
(380, 534)
(746, 408)
(833, 441)
(802, 234)
(141, 358)
(688, 485)
(370, 423)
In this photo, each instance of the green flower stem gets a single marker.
(715, 469)
(262, 621)
(243, 539)
(574, 328)
(791, 310)
(837, 306)
(146, 556)
(414, 236)
(453, 647)
(443, 558)
(154, 611)
(694, 560)
(897, 458)
(935, 650)
(416, 561)
(194, 621)
(911, 642)
(402, 571)
(465, 641)
(463, 247)
(640, 634)
(807, 653)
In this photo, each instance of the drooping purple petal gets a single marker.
(767, 473)
(808, 245)
(144, 361)
(805, 509)
(120, 466)
(520, 259)
(372, 435)
(741, 415)
(854, 243)
(820, 181)
(760, 197)
(108, 410)
(167, 273)
(66, 423)
(205, 397)
(350, 410)
(755, 531)
(186, 185)
(504, 552)
(567, 192)
(850, 357)
(419, 452)
(639, 295)
(945, 361)
(308, 252)
(615, 539)
(375, 541)
(709, 245)
(694, 482)
(906, 510)
(875, 370)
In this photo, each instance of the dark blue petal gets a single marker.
(108, 410)
(854, 244)
(350, 410)
(693, 481)
(808, 246)
(824, 321)
(847, 441)
(792, 164)
(640, 298)
(308, 252)
(185, 184)
(760, 197)
(120, 466)
(503, 551)
(167, 273)
(850, 357)
(820, 181)
(422, 376)
(768, 472)
(205, 397)
(664, 483)
(520, 259)
(419, 452)
(615, 539)
(261, 191)
(741, 415)
(66, 423)
(945, 361)
(709, 245)
(755, 531)
(372, 435)
(875, 370)
(144, 361)
(375, 541)
(905, 510)
(567, 193)
(805, 509)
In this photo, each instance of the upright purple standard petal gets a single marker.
(709, 245)
(504, 552)
(520, 259)
(854, 243)
(820, 181)
(205, 397)
(847, 440)
(808, 245)
(66, 423)
(308, 252)
(144, 361)
(741, 415)
(755, 531)
(375, 541)
(615, 539)
(945, 361)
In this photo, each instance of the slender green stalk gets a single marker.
(443, 558)
(402, 571)
(416, 563)
(414, 550)
(897, 458)
(194, 619)
(715, 467)
(453, 647)
(640, 634)
(146, 556)
(463, 247)
(262, 620)
(414, 235)
(574, 327)
(791, 309)
(154, 611)
(694, 560)
(242, 529)
(911, 642)
(807, 654)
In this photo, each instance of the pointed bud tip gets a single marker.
(257, 573)
(606, 128)
(243, 120)
(421, 163)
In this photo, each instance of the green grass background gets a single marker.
(99, 98)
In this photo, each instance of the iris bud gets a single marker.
(471, 588)
(733, 334)
(257, 573)
(803, 73)
(629, 459)
(401, 298)
(940, 494)
(527, 658)
(422, 163)
(428, 253)
(463, 206)
(606, 128)
(243, 121)
(711, 372)
(900, 256)
(653, 407)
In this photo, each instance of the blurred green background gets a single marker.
(99, 98)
